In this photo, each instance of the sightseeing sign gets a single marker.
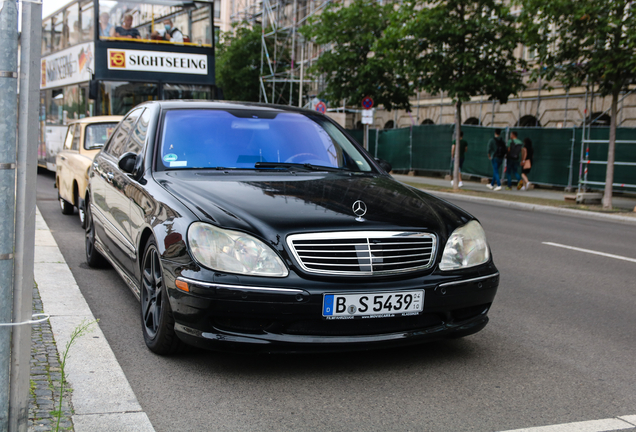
(156, 61)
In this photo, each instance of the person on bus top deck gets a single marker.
(106, 29)
(127, 30)
(171, 33)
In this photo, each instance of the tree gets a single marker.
(585, 41)
(351, 63)
(238, 64)
(462, 47)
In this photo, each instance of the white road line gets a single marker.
(591, 252)
(605, 425)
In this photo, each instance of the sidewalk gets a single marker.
(101, 398)
(536, 199)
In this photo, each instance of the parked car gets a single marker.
(83, 141)
(267, 227)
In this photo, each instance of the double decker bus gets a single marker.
(103, 57)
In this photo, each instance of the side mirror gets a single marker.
(386, 166)
(127, 162)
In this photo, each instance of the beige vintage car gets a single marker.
(83, 141)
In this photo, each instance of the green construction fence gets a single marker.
(557, 152)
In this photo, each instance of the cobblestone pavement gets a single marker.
(46, 377)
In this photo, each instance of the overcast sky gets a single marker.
(50, 6)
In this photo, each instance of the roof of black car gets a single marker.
(198, 104)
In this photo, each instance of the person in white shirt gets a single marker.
(170, 33)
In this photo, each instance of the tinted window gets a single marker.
(96, 135)
(138, 137)
(117, 144)
(239, 139)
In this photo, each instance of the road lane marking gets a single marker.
(591, 252)
(604, 425)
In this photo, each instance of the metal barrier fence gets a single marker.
(559, 156)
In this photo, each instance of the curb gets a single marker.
(535, 207)
(102, 398)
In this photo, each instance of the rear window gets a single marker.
(203, 138)
(97, 134)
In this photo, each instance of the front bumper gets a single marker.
(222, 316)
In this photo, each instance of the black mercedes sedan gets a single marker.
(268, 228)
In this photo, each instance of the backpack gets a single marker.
(515, 151)
(500, 151)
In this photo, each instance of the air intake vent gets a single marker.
(363, 253)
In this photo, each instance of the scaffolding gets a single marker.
(285, 54)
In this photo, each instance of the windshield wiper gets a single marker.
(288, 165)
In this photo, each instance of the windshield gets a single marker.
(254, 139)
(97, 135)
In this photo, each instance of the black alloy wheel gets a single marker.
(93, 257)
(157, 321)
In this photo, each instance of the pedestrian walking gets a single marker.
(496, 152)
(527, 154)
(463, 147)
(512, 158)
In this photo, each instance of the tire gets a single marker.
(66, 207)
(93, 257)
(82, 215)
(157, 321)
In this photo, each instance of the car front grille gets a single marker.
(363, 253)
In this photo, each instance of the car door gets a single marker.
(108, 195)
(132, 221)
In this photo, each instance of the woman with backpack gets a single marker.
(527, 153)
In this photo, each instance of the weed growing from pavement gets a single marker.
(83, 328)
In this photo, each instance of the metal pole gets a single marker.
(492, 123)
(8, 130)
(365, 144)
(293, 53)
(302, 75)
(27, 155)
(565, 118)
(569, 188)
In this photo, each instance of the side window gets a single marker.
(76, 137)
(118, 142)
(138, 137)
(69, 137)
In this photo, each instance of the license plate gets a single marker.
(376, 305)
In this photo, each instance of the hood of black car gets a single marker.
(280, 203)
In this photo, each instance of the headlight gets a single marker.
(233, 252)
(466, 247)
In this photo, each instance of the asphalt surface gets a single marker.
(560, 346)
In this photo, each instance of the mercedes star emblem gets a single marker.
(359, 209)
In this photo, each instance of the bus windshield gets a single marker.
(156, 21)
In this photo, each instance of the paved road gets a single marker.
(560, 347)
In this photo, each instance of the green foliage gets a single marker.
(579, 41)
(238, 63)
(352, 62)
(464, 48)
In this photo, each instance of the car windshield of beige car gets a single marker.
(98, 134)
(255, 139)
